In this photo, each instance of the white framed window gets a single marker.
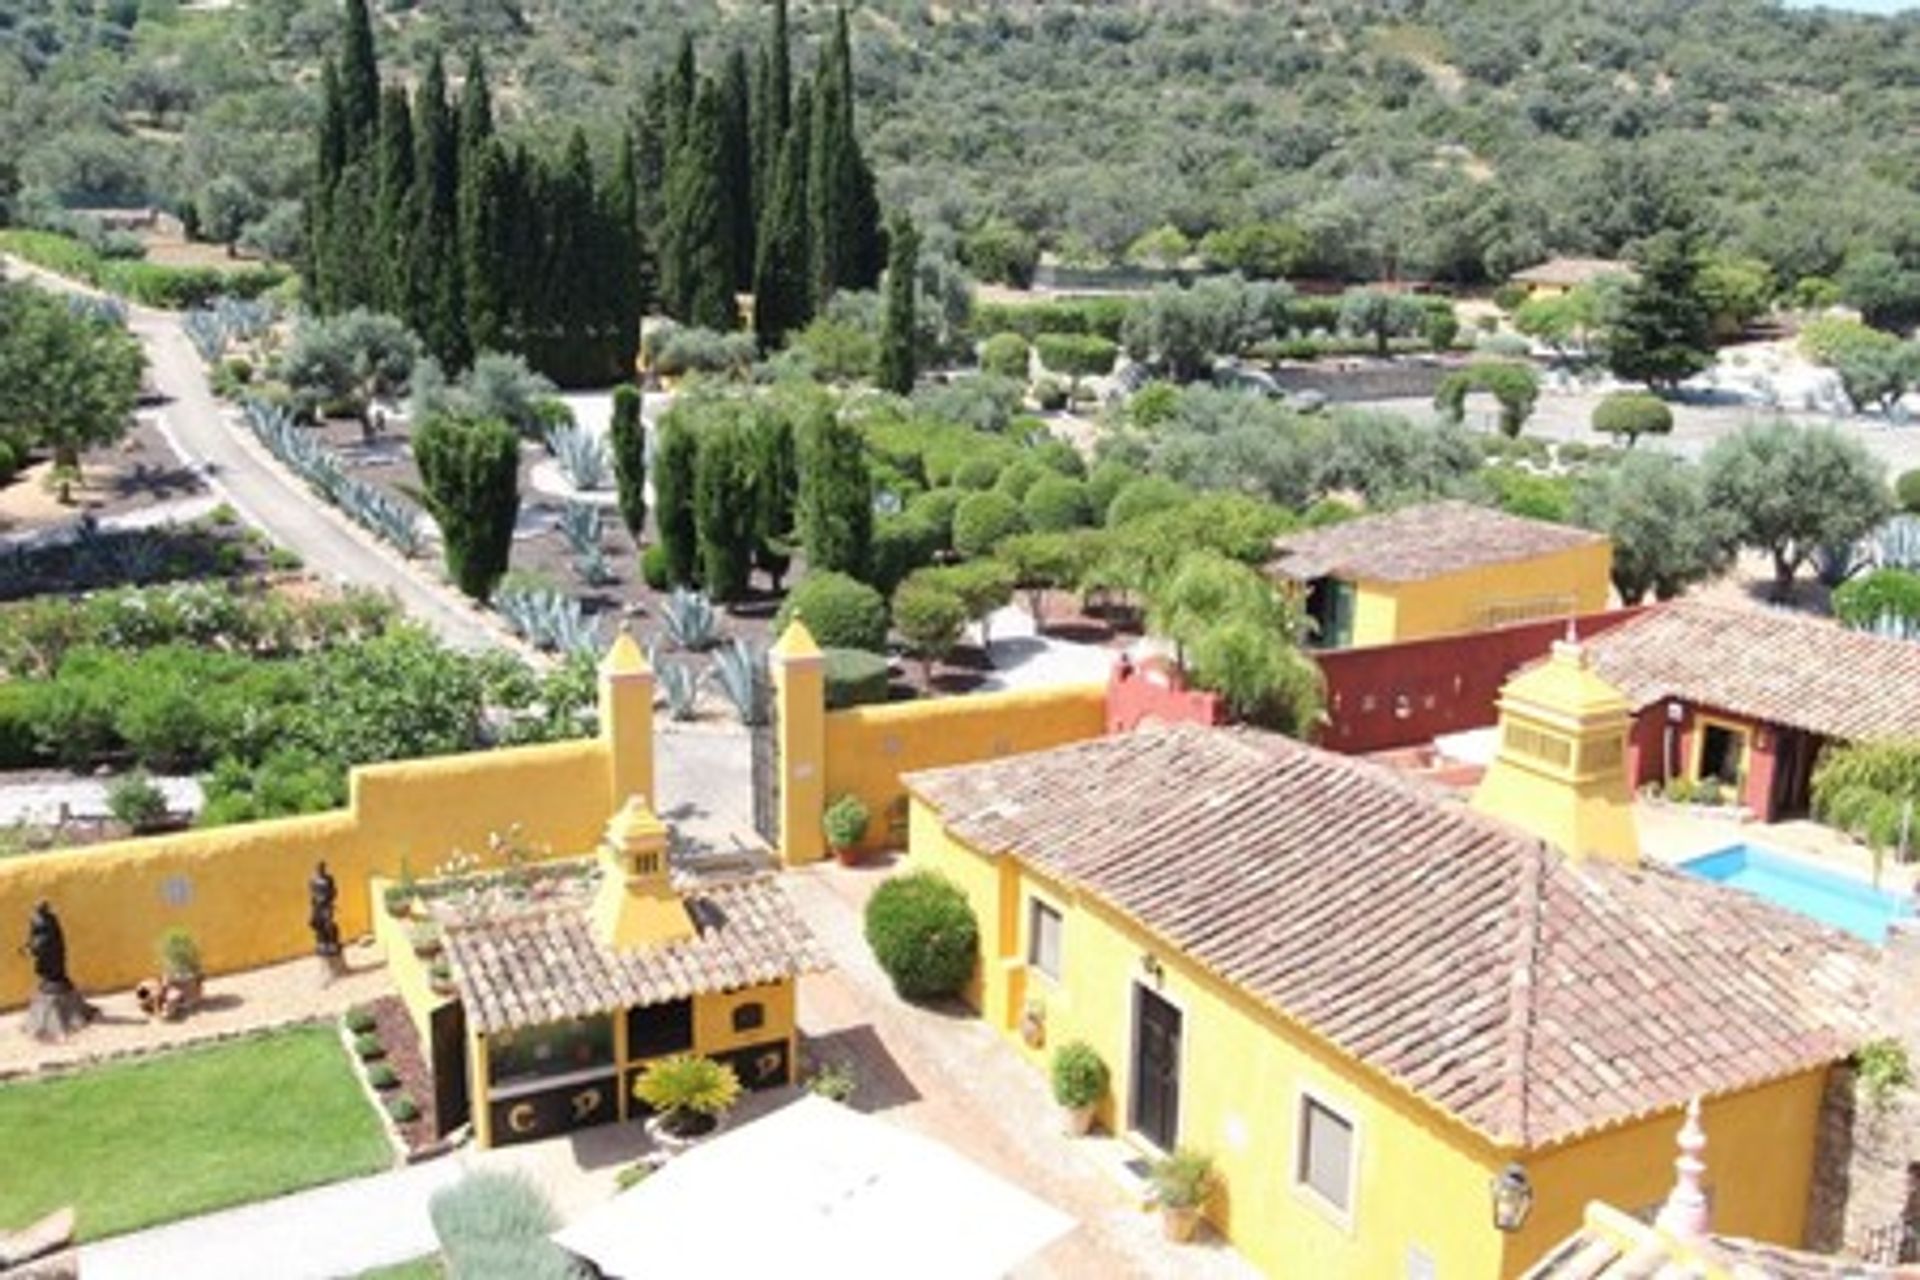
(1326, 1150)
(1044, 927)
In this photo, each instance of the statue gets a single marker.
(321, 895)
(56, 1009)
(47, 944)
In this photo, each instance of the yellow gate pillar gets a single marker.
(626, 723)
(800, 702)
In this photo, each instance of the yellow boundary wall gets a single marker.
(242, 892)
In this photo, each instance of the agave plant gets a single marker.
(681, 688)
(1835, 562)
(100, 310)
(207, 332)
(740, 670)
(244, 318)
(133, 557)
(691, 620)
(1896, 545)
(595, 569)
(580, 522)
(582, 456)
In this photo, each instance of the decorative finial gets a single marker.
(1684, 1215)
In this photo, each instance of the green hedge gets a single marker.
(855, 678)
(1101, 316)
(148, 283)
(841, 612)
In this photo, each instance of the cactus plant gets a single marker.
(580, 522)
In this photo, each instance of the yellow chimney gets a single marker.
(1561, 769)
(636, 905)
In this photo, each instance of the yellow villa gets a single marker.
(1438, 569)
(1383, 1015)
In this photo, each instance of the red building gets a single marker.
(1750, 696)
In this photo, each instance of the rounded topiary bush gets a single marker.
(1632, 414)
(1907, 489)
(654, 567)
(1019, 476)
(1005, 355)
(1055, 503)
(855, 677)
(368, 1047)
(382, 1077)
(982, 520)
(924, 935)
(841, 612)
(935, 509)
(977, 473)
(1106, 482)
(1144, 497)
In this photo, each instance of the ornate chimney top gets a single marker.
(1684, 1215)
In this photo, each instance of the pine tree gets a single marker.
(897, 332)
(835, 504)
(783, 269)
(723, 518)
(435, 310)
(392, 246)
(699, 234)
(628, 436)
(736, 166)
(674, 459)
(359, 83)
(1663, 333)
(470, 474)
(775, 479)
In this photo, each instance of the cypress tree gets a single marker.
(700, 236)
(783, 269)
(330, 157)
(350, 230)
(825, 203)
(835, 504)
(392, 217)
(650, 154)
(435, 313)
(359, 82)
(628, 436)
(896, 335)
(682, 86)
(476, 106)
(635, 268)
(485, 250)
(779, 101)
(723, 477)
(470, 474)
(675, 457)
(775, 480)
(736, 166)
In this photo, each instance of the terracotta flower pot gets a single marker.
(848, 856)
(1079, 1121)
(1179, 1224)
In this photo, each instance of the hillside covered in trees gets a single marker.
(1459, 139)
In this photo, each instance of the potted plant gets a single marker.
(1079, 1082)
(1181, 1184)
(689, 1094)
(1033, 1022)
(440, 976)
(424, 938)
(398, 899)
(181, 970)
(845, 823)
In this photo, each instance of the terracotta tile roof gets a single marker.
(1769, 664)
(546, 964)
(1643, 1254)
(1568, 272)
(1416, 543)
(1530, 997)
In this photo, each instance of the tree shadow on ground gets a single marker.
(881, 1084)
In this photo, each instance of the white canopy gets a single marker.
(817, 1189)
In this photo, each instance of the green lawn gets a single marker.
(427, 1268)
(136, 1143)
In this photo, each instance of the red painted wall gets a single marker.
(1648, 751)
(1399, 695)
(1155, 689)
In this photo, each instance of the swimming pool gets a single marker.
(1838, 900)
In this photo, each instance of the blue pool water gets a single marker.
(1849, 904)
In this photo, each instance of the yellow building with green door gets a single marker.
(1367, 1004)
(1439, 569)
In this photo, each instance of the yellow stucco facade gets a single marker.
(1420, 1179)
(1492, 595)
(241, 890)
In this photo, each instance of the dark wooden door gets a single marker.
(1156, 1069)
(451, 1105)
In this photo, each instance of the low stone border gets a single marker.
(411, 1141)
(1724, 812)
(53, 1070)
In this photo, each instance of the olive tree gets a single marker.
(1794, 490)
(1666, 536)
(1632, 414)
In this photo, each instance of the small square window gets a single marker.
(1324, 1162)
(750, 1016)
(1043, 937)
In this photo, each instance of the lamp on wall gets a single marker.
(1150, 966)
(1512, 1198)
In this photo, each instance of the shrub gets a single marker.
(654, 569)
(841, 612)
(470, 473)
(982, 520)
(979, 472)
(1077, 355)
(935, 509)
(495, 1225)
(1055, 503)
(854, 678)
(1882, 1069)
(1907, 490)
(1632, 414)
(1005, 355)
(1509, 296)
(180, 954)
(1182, 1180)
(1144, 497)
(9, 461)
(930, 618)
(845, 822)
(923, 934)
(359, 1019)
(1106, 482)
(136, 801)
(403, 1108)
(902, 544)
(382, 1076)
(1885, 597)
(1050, 394)
(367, 1047)
(688, 1084)
(1020, 475)
(1079, 1076)
(834, 1081)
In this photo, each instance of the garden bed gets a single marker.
(406, 1057)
